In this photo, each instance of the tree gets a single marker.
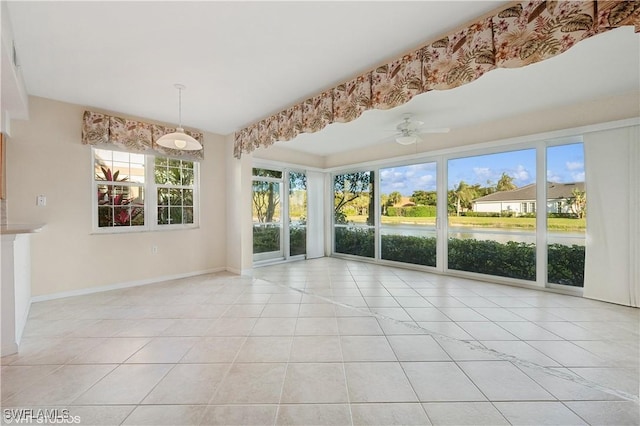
(384, 203)
(266, 198)
(424, 198)
(395, 197)
(505, 183)
(578, 203)
(348, 187)
(461, 198)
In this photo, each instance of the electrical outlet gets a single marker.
(41, 201)
(154, 249)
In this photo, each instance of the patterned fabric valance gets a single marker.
(522, 34)
(132, 136)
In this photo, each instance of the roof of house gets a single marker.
(555, 191)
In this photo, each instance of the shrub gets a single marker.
(266, 238)
(420, 211)
(511, 259)
(563, 215)
(566, 264)
(413, 211)
(409, 249)
(297, 240)
(394, 211)
(481, 214)
(358, 241)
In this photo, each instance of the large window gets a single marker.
(516, 214)
(566, 214)
(491, 205)
(354, 213)
(137, 192)
(408, 210)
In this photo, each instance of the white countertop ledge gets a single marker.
(20, 228)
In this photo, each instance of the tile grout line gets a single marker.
(286, 367)
(501, 355)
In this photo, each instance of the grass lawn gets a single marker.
(555, 224)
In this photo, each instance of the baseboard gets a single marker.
(117, 286)
(244, 272)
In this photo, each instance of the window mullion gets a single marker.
(151, 200)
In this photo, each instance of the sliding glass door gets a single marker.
(297, 212)
(267, 218)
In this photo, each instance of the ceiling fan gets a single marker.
(409, 131)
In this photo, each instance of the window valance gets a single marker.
(132, 136)
(524, 33)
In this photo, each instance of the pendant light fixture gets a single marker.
(179, 139)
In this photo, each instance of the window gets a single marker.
(174, 181)
(491, 197)
(297, 213)
(490, 230)
(354, 213)
(566, 221)
(267, 219)
(408, 207)
(137, 192)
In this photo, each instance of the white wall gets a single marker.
(280, 153)
(548, 120)
(45, 156)
(613, 238)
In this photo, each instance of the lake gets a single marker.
(500, 235)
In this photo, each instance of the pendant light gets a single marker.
(179, 139)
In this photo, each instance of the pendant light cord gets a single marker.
(180, 107)
(180, 88)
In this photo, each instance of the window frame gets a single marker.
(539, 143)
(150, 190)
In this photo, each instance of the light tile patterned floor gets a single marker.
(328, 341)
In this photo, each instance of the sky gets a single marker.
(565, 163)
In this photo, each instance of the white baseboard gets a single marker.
(244, 272)
(117, 286)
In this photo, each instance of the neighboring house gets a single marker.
(521, 201)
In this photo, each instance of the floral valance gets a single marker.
(132, 136)
(524, 33)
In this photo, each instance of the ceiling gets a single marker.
(243, 61)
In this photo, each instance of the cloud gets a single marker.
(578, 177)
(574, 165)
(483, 172)
(554, 177)
(521, 173)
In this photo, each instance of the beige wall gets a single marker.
(45, 156)
(239, 222)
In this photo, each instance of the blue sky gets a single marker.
(565, 163)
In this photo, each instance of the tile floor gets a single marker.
(328, 341)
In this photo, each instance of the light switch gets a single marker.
(41, 200)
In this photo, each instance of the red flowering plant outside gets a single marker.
(116, 204)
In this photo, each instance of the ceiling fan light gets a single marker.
(406, 140)
(179, 140)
